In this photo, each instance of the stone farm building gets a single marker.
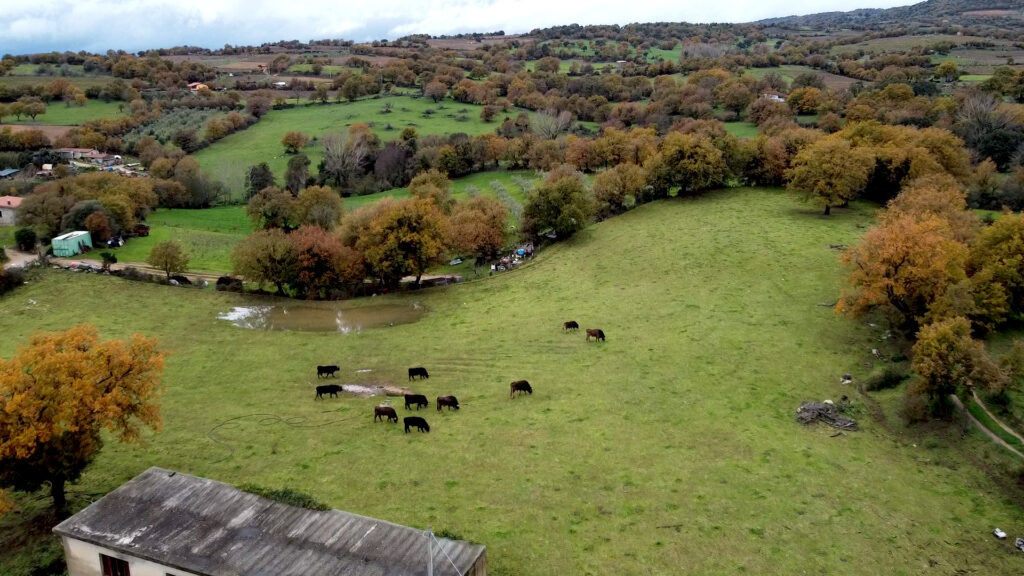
(9, 210)
(162, 523)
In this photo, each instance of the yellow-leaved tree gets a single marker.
(59, 392)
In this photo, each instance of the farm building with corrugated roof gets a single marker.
(71, 244)
(163, 523)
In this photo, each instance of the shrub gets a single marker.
(25, 239)
(915, 407)
(286, 496)
(892, 377)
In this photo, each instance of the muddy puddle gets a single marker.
(306, 318)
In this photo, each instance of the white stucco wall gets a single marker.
(7, 216)
(83, 559)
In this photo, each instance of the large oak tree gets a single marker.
(59, 392)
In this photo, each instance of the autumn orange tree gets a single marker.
(405, 237)
(998, 257)
(479, 227)
(322, 263)
(831, 171)
(59, 392)
(949, 361)
(904, 264)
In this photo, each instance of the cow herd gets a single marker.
(387, 413)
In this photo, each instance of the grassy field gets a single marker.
(58, 114)
(741, 129)
(655, 54)
(229, 158)
(789, 72)
(80, 81)
(208, 236)
(671, 448)
(7, 236)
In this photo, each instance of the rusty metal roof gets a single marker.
(211, 528)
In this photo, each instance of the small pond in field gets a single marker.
(309, 318)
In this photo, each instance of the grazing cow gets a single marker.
(418, 371)
(419, 423)
(595, 333)
(383, 412)
(331, 389)
(418, 399)
(520, 386)
(570, 325)
(449, 401)
(325, 371)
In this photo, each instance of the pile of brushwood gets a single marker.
(826, 412)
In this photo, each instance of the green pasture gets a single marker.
(32, 70)
(82, 82)
(789, 72)
(229, 158)
(975, 77)
(326, 70)
(669, 449)
(563, 65)
(655, 54)
(741, 129)
(208, 236)
(60, 114)
(461, 187)
(7, 236)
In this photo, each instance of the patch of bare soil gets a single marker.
(50, 131)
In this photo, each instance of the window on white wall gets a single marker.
(114, 566)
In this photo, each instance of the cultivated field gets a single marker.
(229, 158)
(671, 448)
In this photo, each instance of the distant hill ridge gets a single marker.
(930, 9)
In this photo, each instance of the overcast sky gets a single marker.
(97, 25)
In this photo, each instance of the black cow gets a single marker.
(449, 401)
(418, 371)
(331, 389)
(595, 333)
(325, 371)
(383, 412)
(416, 421)
(570, 325)
(418, 399)
(519, 386)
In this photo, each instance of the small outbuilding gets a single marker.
(165, 523)
(71, 244)
(9, 210)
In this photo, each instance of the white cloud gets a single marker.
(98, 25)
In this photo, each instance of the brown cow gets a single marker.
(595, 333)
(520, 386)
(570, 325)
(383, 412)
(449, 401)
